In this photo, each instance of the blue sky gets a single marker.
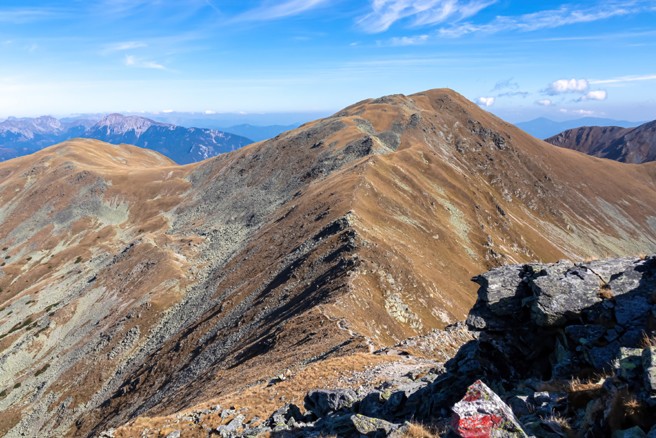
(518, 59)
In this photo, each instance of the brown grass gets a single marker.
(420, 431)
(563, 422)
(648, 341)
(605, 292)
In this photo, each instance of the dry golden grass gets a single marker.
(419, 431)
(647, 341)
(578, 385)
(563, 423)
(605, 292)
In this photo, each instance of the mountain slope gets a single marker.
(629, 145)
(199, 280)
(183, 145)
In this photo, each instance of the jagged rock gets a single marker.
(322, 402)
(372, 405)
(339, 425)
(174, 434)
(542, 427)
(649, 367)
(634, 432)
(629, 363)
(482, 413)
(547, 403)
(563, 289)
(283, 416)
(372, 427)
(256, 432)
(652, 433)
(503, 289)
(520, 405)
(231, 430)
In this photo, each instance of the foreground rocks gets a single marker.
(565, 348)
(555, 350)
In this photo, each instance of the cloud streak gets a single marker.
(271, 11)
(624, 79)
(384, 13)
(408, 41)
(124, 46)
(133, 61)
(547, 19)
(29, 15)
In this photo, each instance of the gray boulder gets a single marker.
(372, 427)
(649, 367)
(322, 402)
(233, 428)
(562, 291)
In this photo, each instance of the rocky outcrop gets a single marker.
(567, 348)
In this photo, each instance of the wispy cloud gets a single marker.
(133, 61)
(506, 84)
(276, 10)
(552, 18)
(581, 112)
(514, 94)
(544, 102)
(384, 13)
(28, 15)
(624, 79)
(123, 46)
(408, 41)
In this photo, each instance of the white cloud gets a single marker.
(133, 61)
(595, 95)
(271, 11)
(409, 41)
(624, 79)
(209, 112)
(384, 13)
(580, 112)
(545, 102)
(547, 19)
(563, 86)
(485, 101)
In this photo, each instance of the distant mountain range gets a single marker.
(629, 145)
(22, 136)
(543, 127)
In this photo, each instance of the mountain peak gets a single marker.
(116, 123)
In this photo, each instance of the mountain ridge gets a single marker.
(219, 274)
(629, 145)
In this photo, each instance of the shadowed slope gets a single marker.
(629, 145)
